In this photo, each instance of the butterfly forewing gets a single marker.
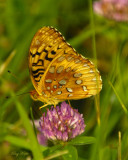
(45, 46)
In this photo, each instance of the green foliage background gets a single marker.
(103, 41)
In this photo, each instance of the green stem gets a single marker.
(92, 25)
(123, 106)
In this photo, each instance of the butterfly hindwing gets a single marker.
(71, 76)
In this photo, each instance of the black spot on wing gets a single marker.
(45, 51)
(36, 71)
(40, 60)
(33, 55)
(37, 75)
(47, 58)
(37, 53)
(36, 64)
(37, 80)
(53, 52)
(58, 48)
(65, 52)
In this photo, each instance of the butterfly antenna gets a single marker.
(13, 74)
(17, 95)
(18, 79)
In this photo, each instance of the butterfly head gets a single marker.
(49, 100)
(34, 95)
(37, 97)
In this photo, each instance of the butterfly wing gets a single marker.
(71, 76)
(45, 46)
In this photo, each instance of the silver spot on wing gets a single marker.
(79, 81)
(48, 80)
(77, 75)
(48, 88)
(69, 58)
(52, 69)
(77, 61)
(59, 92)
(60, 69)
(55, 86)
(62, 82)
(84, 88)
(68, 69)
(61, 58)
(69, 90)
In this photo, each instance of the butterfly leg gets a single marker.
(69, 103)
(43, 106)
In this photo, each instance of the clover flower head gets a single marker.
(62, 123)
(112, 9)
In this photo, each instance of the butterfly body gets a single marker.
(58, 72)
(45, 97)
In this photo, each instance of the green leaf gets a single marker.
(56, 154)
(17, 141)
(82, 140)
(54, 148)
(118, 97)
(72, 153)
(35, 148)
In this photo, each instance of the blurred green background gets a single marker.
(101, 40)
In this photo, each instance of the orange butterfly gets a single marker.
(58, 72)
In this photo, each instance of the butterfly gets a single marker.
(58, 72)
